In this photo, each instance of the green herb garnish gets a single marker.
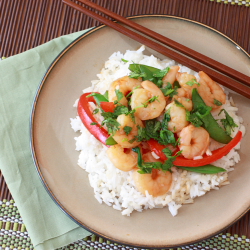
(152, 99)
(119, 95)
(95, 111)
(147, 167)
(127, 129)
(161, 73)
(168, 90)
(170, 158)
(196, 116)
(120, 109)
(176, 85)
(192, 82)
(228, 123)
(124, 60)
(157, 130)
(218, 103)
(194, 119)
(178, 104)
(112, 125)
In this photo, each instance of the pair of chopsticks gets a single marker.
(219, 72)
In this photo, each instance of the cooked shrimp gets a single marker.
(186, 89)
(125, 85)
(123, 159)
(157, 183)
(193, 141)
(181, 92)
(170, 77)
(140, 100)
(178, 117)
(121, 137)
(187, 103)
(210, 91)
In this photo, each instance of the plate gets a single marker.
(53, 144)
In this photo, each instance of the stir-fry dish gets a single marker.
(157, 124)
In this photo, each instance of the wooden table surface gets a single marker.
(25, 24)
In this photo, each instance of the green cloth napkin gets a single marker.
(20, 75)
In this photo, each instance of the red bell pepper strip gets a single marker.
(108, 106)
(181, 161)
(87, 118)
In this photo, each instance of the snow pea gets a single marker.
(148, 73)
(206, 169)
(209, 123)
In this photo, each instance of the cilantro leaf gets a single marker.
(168, 90)
(147, 167)
(194, 119)
(196, 116)
(153, 128)
(137, 75)
(203, 111)
(107, 115)
(112, 125)
(142, 134)
(132, 114)
(119, 94)
(166, 137)
(218, 103)
(178, 104)
(192, 82)
(132, 140)
(165, 120)
(176, 85)
(110, 118)
(120, 109)
(124, 60)
(127, 129)
(157, 130)
(161, 73)
(95, 111)
(167, 152)
(171, 158)
(228, 123)
(152, 99)
(138, 151)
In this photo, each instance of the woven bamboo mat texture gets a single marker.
(25, 24)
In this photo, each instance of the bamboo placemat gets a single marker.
(13, 235)
(25, 24)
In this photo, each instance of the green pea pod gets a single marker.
(209, 123)
(207, 169)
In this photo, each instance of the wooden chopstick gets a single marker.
(177, 46)
(241, 87)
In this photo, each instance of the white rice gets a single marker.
(116, 188)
